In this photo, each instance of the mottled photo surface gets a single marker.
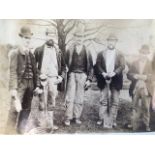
(69, 76)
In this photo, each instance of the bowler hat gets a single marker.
(25, 32)
(144, 49)
(112, 37)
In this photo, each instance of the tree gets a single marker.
(65, 30)
(59, 28)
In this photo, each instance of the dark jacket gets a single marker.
(134, 69)
(17, 68)
(39, 53)
(100, 67)
(89, 61)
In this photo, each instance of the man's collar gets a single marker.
(51, 47)
(23, 50)
(111, 49)
(54, 47)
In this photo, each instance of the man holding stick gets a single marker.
(109, 66)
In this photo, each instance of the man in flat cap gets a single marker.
(51, 65)
(109, 67)
(141, 88)
(23, 81)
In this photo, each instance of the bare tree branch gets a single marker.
(37, 24)
(71, 28)
(94, 40)
(50, 33)
(67, 22)
(38, 38)
(94, 28)
(71, 39)
(98, 41)
(92, 31)
(52, 22)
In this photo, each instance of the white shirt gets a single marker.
(110, 57)
(79, 49)
(142, 65)
(49, 64)
(26, 50)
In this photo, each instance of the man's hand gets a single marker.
(38, 91)
(111, 74)
(140, 77)
(135, 76)
(87, 84)
(104, 74)
(15, 100)
(143, 77)
(13, 93)
(59, 80)
(17, 104)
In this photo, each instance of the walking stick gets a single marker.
(45, 93)
(108, 97)
(108, 121)
(65, 88)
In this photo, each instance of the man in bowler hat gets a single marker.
(23, 81)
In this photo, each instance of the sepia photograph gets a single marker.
(77, 76)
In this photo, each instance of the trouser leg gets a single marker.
(50, 121)
(79, 95)
(52, 91)
(22, 122)
(146, 110)
(115, 102)
(46, 119)
(103, 103)
(48, 100)
(12, 120)
(25, 94)
(135, 119)
(13, 116)
(70, 95)
(136, 110)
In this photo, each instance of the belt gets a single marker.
(26, 78)
(52, 76)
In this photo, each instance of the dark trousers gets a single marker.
(17, 121)
(143, 109)
(114, 103)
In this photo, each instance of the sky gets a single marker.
(131, 33)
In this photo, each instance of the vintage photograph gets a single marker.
(85, 76)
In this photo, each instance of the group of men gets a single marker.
(29, 72)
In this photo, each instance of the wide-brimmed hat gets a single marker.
(80, 33)
(144, 49)
(25, 32)
(112, 37)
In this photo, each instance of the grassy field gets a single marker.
(89, 116)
